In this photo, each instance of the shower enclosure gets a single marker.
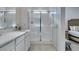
(42, 22)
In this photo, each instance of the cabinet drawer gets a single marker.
(8, 47)
(19, 39)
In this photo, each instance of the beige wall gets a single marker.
(22, 17)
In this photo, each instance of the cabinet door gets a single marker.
(8, 47)
(27, 41)
(19, 39)
(20, 46)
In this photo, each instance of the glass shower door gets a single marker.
(41, 26)
(46, 29)
(35, 26)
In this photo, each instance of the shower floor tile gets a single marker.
(42, 47)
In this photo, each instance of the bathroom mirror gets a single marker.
(7, 17)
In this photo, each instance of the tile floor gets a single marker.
(42, 47)
(74, 45)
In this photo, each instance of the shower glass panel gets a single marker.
(46, 29)
(41, 26)
(35, 26)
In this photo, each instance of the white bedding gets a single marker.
(74, 33)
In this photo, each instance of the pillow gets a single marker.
(74, 28)
(77, 28)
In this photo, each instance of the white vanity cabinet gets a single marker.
(15, 41)
(8, 47)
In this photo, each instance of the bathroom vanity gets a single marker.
(15, 41)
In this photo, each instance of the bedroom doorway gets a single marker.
(41, 25)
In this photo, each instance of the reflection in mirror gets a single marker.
(7, 17)
(10, 17)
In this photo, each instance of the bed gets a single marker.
(73, 30)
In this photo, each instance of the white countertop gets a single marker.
(8, 37)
